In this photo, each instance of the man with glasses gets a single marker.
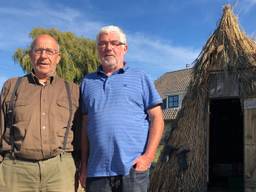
(122, 121)
(38, 116)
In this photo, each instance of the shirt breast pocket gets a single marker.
(62, 110)
(23, 110)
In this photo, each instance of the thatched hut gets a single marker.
(212, 146)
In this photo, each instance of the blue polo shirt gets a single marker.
(118, 122)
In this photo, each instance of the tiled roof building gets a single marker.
(170, 84)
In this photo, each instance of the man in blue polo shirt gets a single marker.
(122, 121)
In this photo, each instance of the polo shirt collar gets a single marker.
(122, 70)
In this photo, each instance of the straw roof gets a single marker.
(228, 50)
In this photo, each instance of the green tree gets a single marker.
(78, 54)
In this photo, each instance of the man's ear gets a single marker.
(58, 58)
(125, 48)
(30, 53)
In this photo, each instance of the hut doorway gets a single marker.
(226, 154)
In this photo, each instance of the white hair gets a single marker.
(112, 28)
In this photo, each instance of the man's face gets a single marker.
(111, 51)
(44, 56)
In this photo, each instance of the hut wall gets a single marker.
(250, 144)
(223, 84)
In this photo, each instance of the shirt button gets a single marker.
(43, 127)
(43, 113)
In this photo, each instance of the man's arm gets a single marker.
(155, 134)
(1, 126)
(84, 150)
(3, 94)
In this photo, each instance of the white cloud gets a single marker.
(41, 11)
(245, 6)
(251, 1)
(67, 14)
(10, 11)
(151, 54)
(20, 21)
(158, 56)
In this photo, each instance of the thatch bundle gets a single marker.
(183, 163)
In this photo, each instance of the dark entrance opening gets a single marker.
(226, 152)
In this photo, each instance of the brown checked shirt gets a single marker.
(41, 115)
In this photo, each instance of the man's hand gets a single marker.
(76, 181)
(142, 163)
(83, 176)
(1, 158)
(84, 151)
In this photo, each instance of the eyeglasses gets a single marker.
(104, 44)
(48, 51)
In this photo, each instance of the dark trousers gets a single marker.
(134, 182)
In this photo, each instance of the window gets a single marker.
(173, 101)
(164, 104)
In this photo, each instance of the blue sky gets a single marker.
(163, 35)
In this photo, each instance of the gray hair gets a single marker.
(112, 28)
